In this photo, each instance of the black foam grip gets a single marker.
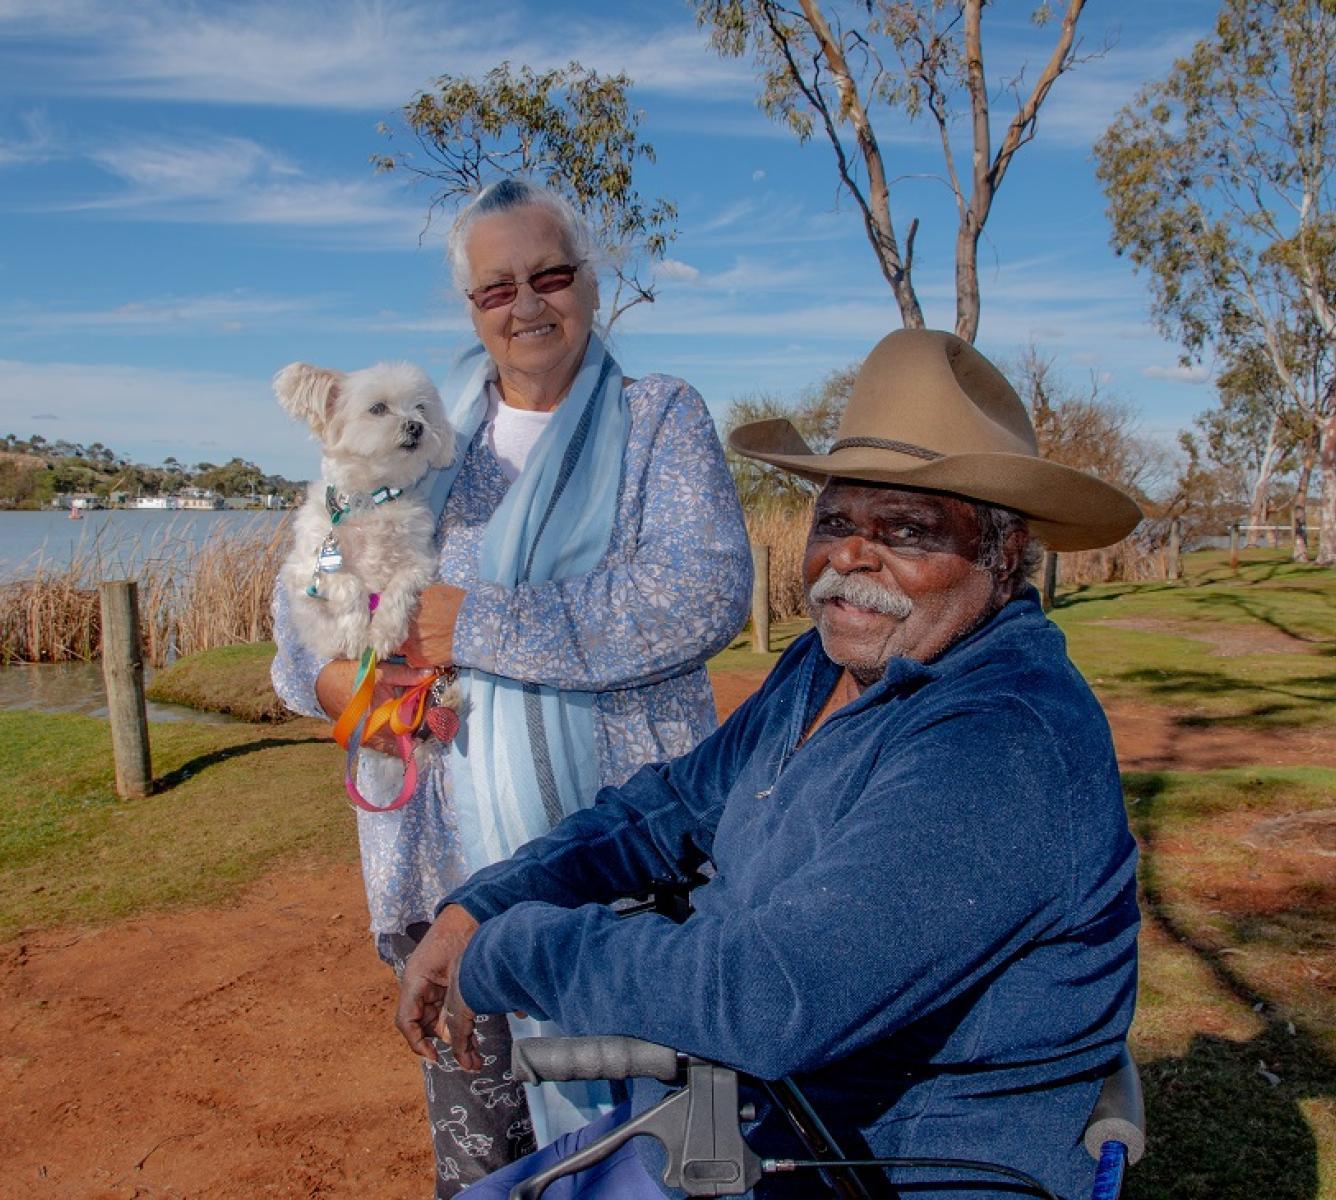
(556, 1058)
(1120, 1113)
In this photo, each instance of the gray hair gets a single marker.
(996, 525)
(507, 194)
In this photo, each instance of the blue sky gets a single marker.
(187, 205)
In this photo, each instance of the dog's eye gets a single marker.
(422, 408)
(378, 409)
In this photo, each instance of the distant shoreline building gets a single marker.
(200, 498)
(190, 499)
(81, 500)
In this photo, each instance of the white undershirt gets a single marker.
(512, 432)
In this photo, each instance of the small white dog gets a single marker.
(363, 543)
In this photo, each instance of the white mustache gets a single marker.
(860, 590)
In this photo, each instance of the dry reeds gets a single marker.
(784, 529)
(1126, 561)
(191, 596)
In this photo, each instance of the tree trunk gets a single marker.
(967, 281)
(1299, 520)
(1257, 512)
(1326, 555)
(897, 268)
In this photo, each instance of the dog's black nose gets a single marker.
(413, 429)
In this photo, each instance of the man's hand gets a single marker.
(431, 633)
(334, 688)
(429, 1001)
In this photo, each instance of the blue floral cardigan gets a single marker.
(671, 591)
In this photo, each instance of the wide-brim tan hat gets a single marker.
(929, 411)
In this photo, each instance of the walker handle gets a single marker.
(1120, 1113)
(558, 1058)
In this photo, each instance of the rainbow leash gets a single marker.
(358, 722)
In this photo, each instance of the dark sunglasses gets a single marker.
(544, 283)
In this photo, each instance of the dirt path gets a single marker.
(238, 1052)
(247, 1051)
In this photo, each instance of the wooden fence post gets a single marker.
(123, 672)
(760, 607)
(1050, 579)
(1173, 561)
(1233, 547)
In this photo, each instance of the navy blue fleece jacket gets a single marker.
(925, 912)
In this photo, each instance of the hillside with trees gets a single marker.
(33, 472)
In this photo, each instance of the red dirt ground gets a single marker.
(247, 1051)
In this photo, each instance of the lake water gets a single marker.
(122, 539)
(78, 688)
(117, 542)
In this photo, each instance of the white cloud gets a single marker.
(730, 215)
(228, 312)
(236, 181)
(671, 268)
(675, 60)
(1179, 374)
(174, 167)
(764, 278)
(348, 54)
(770, 220)
(758, 175)
(1085, 99)
(35, 141)
(351, 54)
(231, 313)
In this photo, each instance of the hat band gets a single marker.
(887, 444)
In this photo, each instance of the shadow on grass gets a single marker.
(1298, 698)
(188, 770)
(1246, 606)
(1216, 1125)
(1207, 582)
(1085, 593)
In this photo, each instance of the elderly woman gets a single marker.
(593, 557)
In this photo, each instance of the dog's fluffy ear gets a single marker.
(309, 393)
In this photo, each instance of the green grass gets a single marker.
(1238, 980)
(1236, 1019)
(233, 801)
(738, 655)
(1252, 649)
(230, 679)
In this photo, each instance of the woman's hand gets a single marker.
(431, 632)
(334, 689)
(429, 1001)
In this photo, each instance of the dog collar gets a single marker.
(353, 504)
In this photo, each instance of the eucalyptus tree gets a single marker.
(815, 413)
(1219, 183)
(1269, 439)
(841, 68)
(572, 129)
(1083, 426)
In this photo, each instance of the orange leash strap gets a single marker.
(357, 723)
(352, 716)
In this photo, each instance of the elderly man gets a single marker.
(922, 901)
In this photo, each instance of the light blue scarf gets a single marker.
(525, 757)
